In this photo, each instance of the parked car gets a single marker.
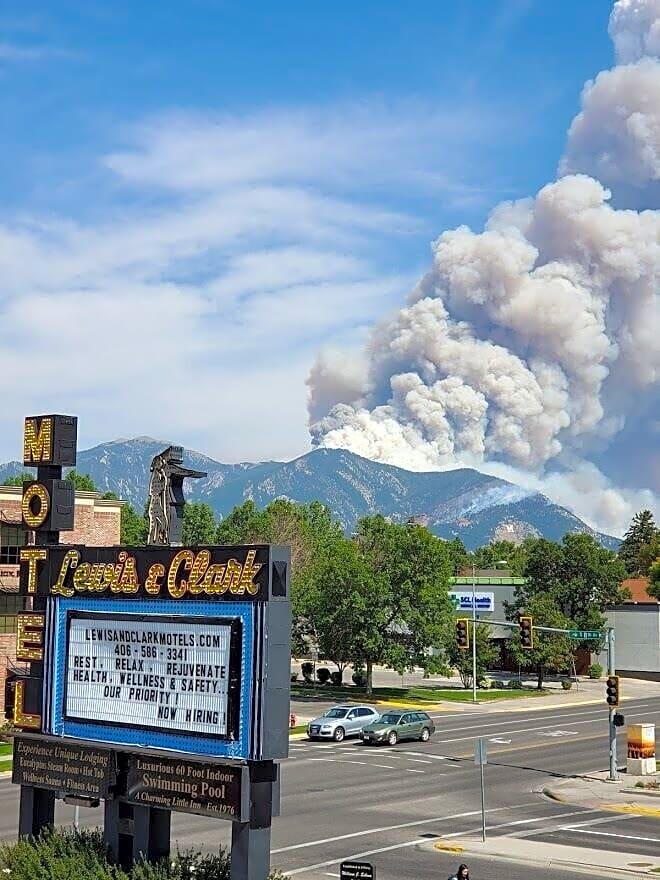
(342, 721)
(395, 726)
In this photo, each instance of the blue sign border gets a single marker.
(143, 737)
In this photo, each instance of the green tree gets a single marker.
(552, 652)
(458, 555)
(19, 479)
(492, 555)
(134, 528)
(199, 526)
(581, 577)
(341, 605)
(461, 660)
(410, 608)
(310, 532)
(634, 548)
(654, 578)
(82, 482)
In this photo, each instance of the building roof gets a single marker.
(480, 581)
(638, 588)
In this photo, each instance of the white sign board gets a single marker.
(165, 673)
(463, 601)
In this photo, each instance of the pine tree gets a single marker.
(640, 535)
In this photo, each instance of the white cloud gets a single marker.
(226, 251)
(525, 345)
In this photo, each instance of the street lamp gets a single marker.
(474, 634)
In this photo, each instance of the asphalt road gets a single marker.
(389, 805)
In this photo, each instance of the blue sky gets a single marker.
(198, 196)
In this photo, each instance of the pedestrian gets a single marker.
(463, 873)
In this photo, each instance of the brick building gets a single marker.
(97, 524)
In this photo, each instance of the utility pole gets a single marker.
(611, 670)
(474, 634)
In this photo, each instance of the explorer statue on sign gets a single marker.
(166, 500)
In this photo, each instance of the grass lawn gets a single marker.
(5, 756)
(410, 694)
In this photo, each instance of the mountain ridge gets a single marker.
(460, 503)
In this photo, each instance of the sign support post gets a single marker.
(48, 443)
(611, 670)
(480, 758)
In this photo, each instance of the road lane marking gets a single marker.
(597, 716)
(559, 733)
(542, 745)
(611, 834)
(589, 822)
(413, 824)
(413, 770)
(363, 763)
(416, 842)
(501, 741)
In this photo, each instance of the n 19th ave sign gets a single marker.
(584, 634)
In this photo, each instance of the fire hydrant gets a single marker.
(292, 720)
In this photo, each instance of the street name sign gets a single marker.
(583, 634)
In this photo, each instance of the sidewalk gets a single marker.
(597, 792)
(552, 855)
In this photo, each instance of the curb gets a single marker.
(634, 809)
(571, 705)
(631, 809)
(549, 793)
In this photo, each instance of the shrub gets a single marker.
(360, 678)
(483, 683)
(516, 684)
(323, 674)
(59, 854)
(337, 678)
(567, 684)
(595, 671)
(307, 670)
(497, 685)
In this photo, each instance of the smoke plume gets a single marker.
(524, 344)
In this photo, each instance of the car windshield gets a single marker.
(336, 713)
(390, 718)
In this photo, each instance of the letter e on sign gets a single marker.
(357, 871)
(29, 637)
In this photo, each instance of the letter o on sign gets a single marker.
(35, 506)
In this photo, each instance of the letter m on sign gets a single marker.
(38, 440)
(50, 440)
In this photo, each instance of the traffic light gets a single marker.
(463, 633)
(526, 632)
(613, 690)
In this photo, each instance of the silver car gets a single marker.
(342, 721)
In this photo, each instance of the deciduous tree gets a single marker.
(199, 525)
(413, 613)
(552, 652)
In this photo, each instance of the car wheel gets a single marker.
(426, 734)
(339, 734)
(392, 738)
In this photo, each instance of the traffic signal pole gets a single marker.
(611, 670)
(526, 624)
(474, 637)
